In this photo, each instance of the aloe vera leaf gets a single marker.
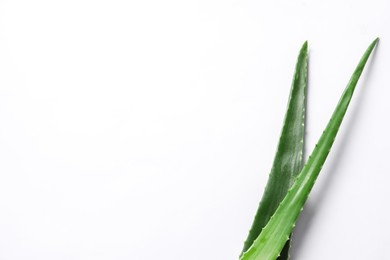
(273, 237)
(288, 159)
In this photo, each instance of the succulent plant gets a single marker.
(289, 183)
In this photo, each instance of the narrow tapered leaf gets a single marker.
(273, 237)
(288, 159)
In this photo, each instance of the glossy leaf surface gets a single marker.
(288, 159)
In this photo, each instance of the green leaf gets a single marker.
(275, 234)
(288, 159)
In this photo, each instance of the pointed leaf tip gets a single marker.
(305, 44)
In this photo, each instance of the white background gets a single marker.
(146, 129)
